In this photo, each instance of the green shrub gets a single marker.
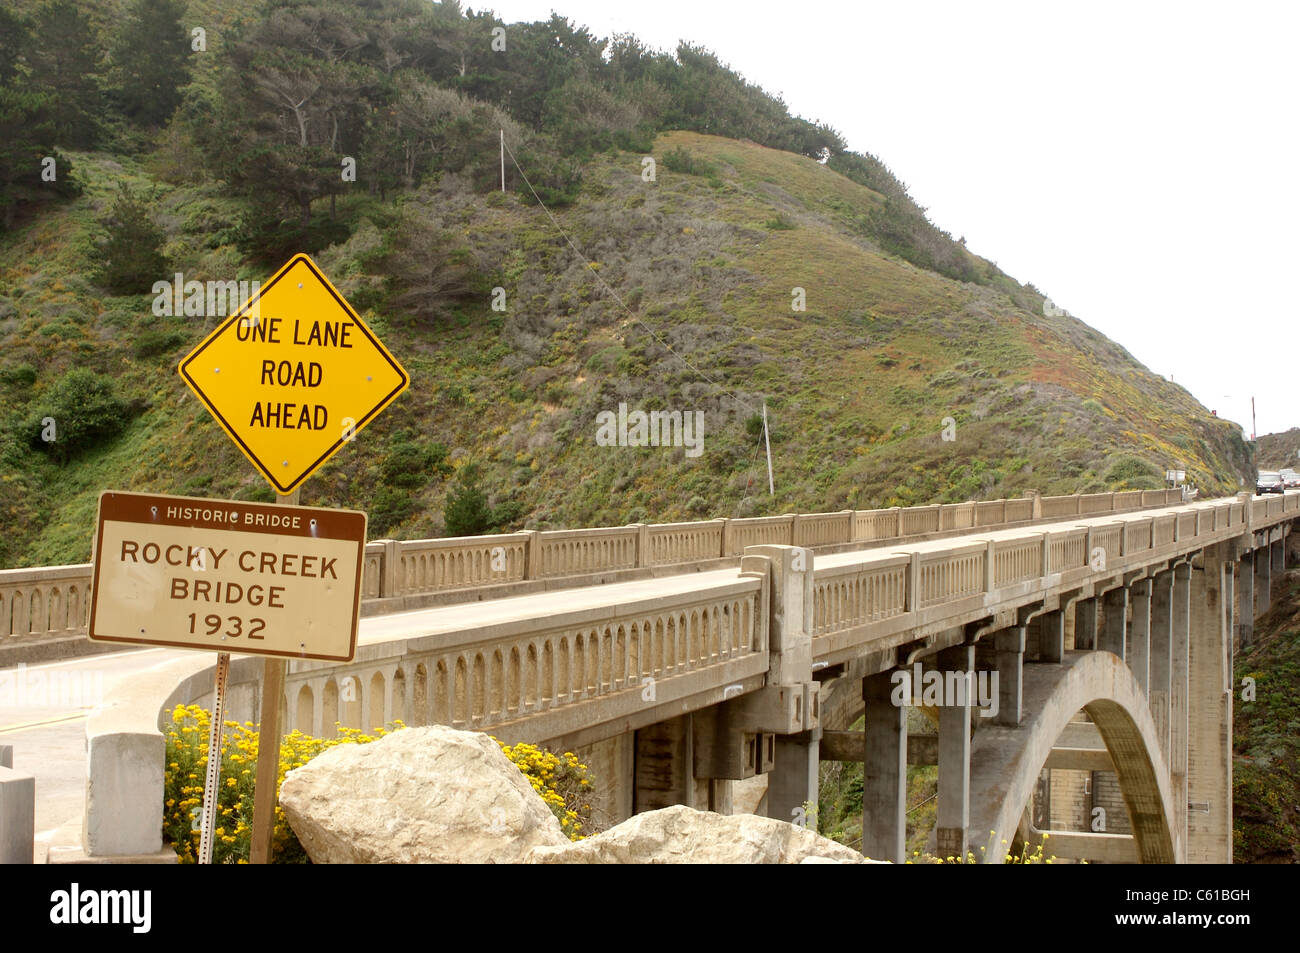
(467, 512)
(389, 506)
(130, 254)
(84, 409)
(679, 160)
(1129, 472)
(20, 375)
(409, 464)
(151, 343)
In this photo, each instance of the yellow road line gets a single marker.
(37, 724)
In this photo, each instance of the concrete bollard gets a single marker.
(17, 814)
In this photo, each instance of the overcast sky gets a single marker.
(1137, 162)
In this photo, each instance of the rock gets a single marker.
(420, 795)
(682, 835)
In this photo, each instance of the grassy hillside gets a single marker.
(915, 372)
(858, 385)
(1266, 736)
(1278, 450)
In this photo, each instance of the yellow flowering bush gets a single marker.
(561, 780)
(187, 763)
(1026, 856)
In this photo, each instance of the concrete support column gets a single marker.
(1139, 636)
(1161, 655)
(1178, 692)
(1114, 636)
(1263, 580)
(953, 814)
(1051, 636)
(1246, 601)
(1010, 646)
(664, 766)
(1279, 557)
(1230, 603)
(1085, 624)
(720, 796)
(792, 782)
(884, 772)
(1209, 748)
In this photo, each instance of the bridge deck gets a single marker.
(514, 609)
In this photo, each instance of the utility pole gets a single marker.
(771, 489)
(503, 160)
(1254, 439)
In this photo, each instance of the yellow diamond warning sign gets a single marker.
(293, 374)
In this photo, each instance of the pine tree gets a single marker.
(467, 512)
(150, 60)
(64, 63)
(132, 259)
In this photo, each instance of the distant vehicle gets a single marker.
(1289, 478)
(1269, 481)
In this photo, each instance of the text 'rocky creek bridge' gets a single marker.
(689, 662)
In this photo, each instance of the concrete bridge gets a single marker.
(690, 663)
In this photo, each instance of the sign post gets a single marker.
(212, 777)
(291, 377)
(268, 750)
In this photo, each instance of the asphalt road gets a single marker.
(43, 710)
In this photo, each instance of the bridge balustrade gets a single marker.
(48, 603)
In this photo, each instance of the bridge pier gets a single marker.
(792, 782)
(1114, 635)
(663, 767)
(1245, 573)
(1139, 639)
(1263, 579)
(1160, 672)
(1230, 608)
(1209, 749)
(788, 705)
(1051, 636)
(1010, 647)
(953, 813)
(1085, 624)
(1179, 691)
(884, 771)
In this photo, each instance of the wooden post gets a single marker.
(268, 747)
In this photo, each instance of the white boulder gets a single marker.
(682, 835)
(420, 795)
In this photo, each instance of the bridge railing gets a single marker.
(42, 603)
(51, 602)
(876, 586)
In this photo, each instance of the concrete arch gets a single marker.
(1006, 761)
